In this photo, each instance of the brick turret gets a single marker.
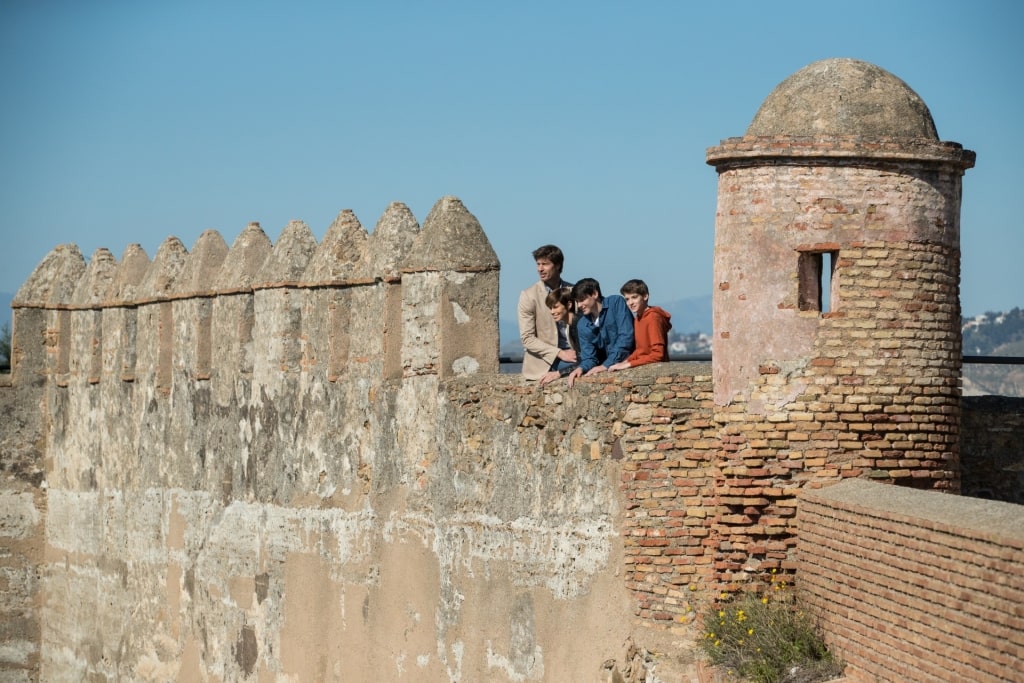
(837, 346)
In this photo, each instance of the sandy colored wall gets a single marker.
(463, 554)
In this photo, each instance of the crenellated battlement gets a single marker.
(409, 301)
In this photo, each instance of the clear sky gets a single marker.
(581, 123)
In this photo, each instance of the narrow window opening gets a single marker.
(815, 274)
(828, 264)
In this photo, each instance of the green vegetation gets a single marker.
(766, 637)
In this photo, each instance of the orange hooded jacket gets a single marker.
(651, 330)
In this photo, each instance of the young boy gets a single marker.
(651, 327)
(605, 329)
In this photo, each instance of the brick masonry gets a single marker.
(911, 587)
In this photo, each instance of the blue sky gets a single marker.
(579, 123)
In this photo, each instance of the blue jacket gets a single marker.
(610, 339)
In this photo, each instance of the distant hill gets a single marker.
(994, 334)
(984, 334)
(690, 315)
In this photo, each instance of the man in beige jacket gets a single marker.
(537, 329)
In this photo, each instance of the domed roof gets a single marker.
(843, 97)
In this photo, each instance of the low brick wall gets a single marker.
(919, 586)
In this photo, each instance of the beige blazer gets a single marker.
(537, 331)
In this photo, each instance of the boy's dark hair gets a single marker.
(585, 287)
(635, 287)
(562, 295)
(551, 253)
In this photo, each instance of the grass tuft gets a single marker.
(766, 637)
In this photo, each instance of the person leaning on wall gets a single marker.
(563, 311)
(650, 327)
(605, 329)
(537, 329)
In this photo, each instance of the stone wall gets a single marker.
(23, 506)
(915, 586)
(458, 551)
(298, 461)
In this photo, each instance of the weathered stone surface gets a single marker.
(290, 257)
(392, 239)
(843, 97)
(341, 257)
(199, 274)
(243, 263)
(130, 273)
(451, 239)
(95, 284)
(54, 280)
(170, 260)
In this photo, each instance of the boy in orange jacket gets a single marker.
(651, 328)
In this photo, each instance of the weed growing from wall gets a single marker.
(766, 636)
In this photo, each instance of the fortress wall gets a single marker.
(464, 551)
(916, 586)
(297, 460)
(255, 467)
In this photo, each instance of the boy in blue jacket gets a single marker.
(605, 329)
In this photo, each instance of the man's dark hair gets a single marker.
(635, 287)
(551, 253)
(585, 288)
